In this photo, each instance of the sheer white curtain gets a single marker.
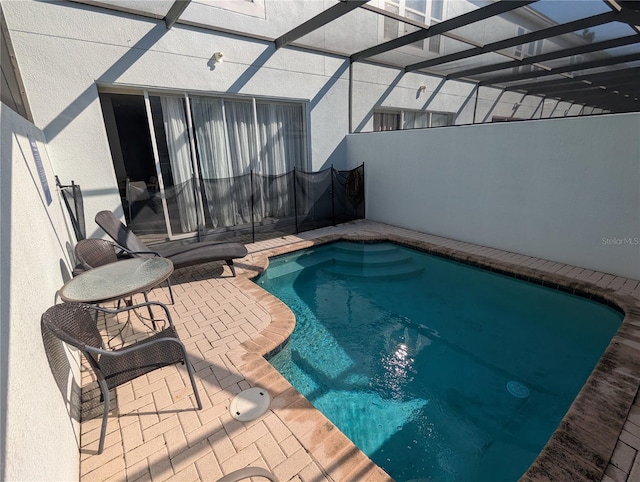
(415, 120)
(386, 121)
(438, 120)
(282, 147)
(241, 133)
(242, 136)
(281, 134)
(229, 146)
(216, 170)
(175, 127)
(208, 122)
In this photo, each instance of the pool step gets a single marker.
(297, 264)
(380, 258)
(387, 271)
(365, 248)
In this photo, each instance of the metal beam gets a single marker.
(618, 107)
(559, 70)
(609, 100)
(588, 89)
(612, 102)
(628, 85)
(560, 89)
(593, 91)
(490, 10)
(598, 77)
(551, 89)
(174, 12)
(630, 12)
(562, 93)
(318, 21)
(605, 95)
(554, 31)
(583, 49)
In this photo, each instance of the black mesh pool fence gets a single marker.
(257, 206)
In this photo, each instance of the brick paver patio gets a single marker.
(228, 324)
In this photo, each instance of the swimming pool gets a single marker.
(436, 370)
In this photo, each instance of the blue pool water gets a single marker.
(435, 369)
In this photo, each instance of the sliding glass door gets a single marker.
(217, 158)
(226, 152)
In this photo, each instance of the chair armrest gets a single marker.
(246, 473)
(155, 253)
(137, 346)
(123, 254)
(133, 307)
(128, 251)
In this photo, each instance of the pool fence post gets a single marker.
(295, 199)
(253, 222)
(195, 190)
(333, 206)
(364, 199)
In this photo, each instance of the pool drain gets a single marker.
(517, 389)
(249, 404)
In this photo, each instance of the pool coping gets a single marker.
(579, 449)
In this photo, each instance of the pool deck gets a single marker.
(228, 324)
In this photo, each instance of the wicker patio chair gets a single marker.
(75, 324)
(95, 252)
(92, 253)
(181, 255)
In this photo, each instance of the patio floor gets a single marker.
(227, 324)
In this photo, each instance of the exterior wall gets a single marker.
(65, 50)
(565, 190)
(40, 428)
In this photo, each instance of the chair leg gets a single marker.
(153, 321)
(170, 291)
(104, 390)
(230, 264)
(193, 380)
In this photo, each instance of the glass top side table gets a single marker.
(117, 280)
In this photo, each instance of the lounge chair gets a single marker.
(181, 255)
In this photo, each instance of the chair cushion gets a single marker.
(188, 255)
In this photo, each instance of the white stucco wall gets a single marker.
(65, 50)
(566, 190)
(39, 437)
